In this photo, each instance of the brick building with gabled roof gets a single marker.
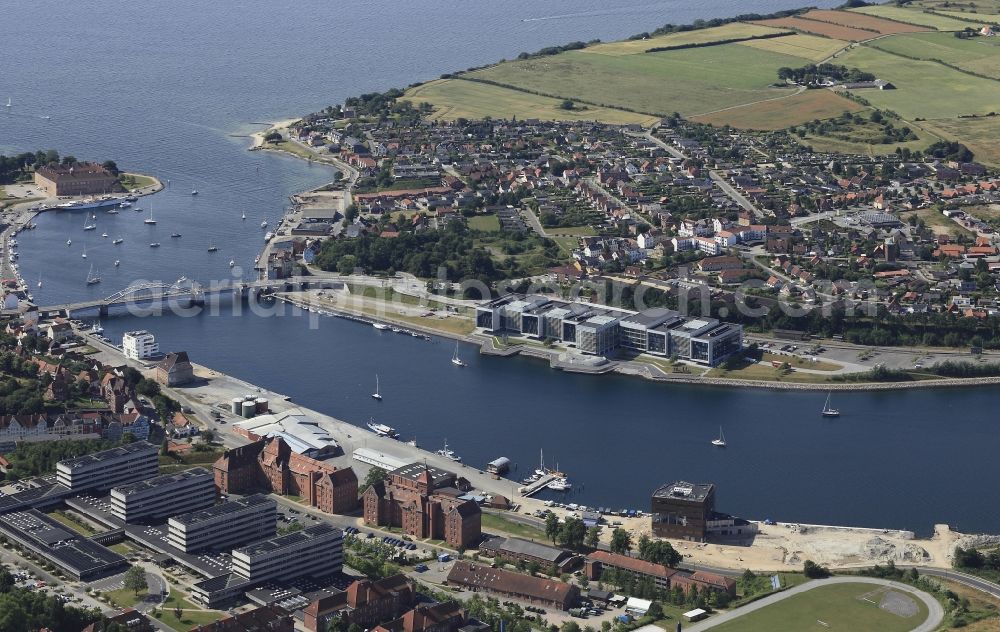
(84, 178)
(271, 465)
(537, 590)
(365, 603)
(423, 501)
(446, 616)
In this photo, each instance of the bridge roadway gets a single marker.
(148, 292)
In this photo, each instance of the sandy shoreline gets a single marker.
(257, 138)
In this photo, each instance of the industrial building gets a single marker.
(140, 345)
(103, 470)
(302, 433)
(163, 496)
(600, 330)
(224, 526)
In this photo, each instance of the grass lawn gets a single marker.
(799, 362)
(914, 16)
(689, 81)
(811, 47)
(136, 180)
(733, 30)
(923, 88)
(499, 523)
(69, 522)
(452, 324)
(767, 373)
(781, 113)
(978, 134)
(976, 19)
(124, 597)
(980, 55)
(189, 618)
(122, 549)
(572, 231)
(486, 223)
(858, 144)
(838, 606)
(455, 98)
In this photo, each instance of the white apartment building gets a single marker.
(314, 551)
(140, 345)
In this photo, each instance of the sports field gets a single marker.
(923, 88)
(455, 98)
(733, 30)
(853, 607)
(826, 29)
(808, 47)
(862, 21)
(690, 81)
(781, 113)
(915, 16)
(980, 55)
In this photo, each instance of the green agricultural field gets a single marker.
(914, 16)
(978, 18)
(832, 607)
(781, 113)
(689, 81)
(456, 98)
(980, 55)
(924, 89)
(810, 47)
(733, 30)
(979, 134)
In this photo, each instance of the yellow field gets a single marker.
(809, 47)
(978, 134)
(782, 113)
(733, 30)
(456, 98)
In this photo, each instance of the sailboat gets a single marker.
(149, 220)
(69, 242)
(827, 411)
(87, 225)
(84, 255)
(39, 280)
(117, 262)
(244, 216)
(721, 441)
(93, 279)
(8, 101)
(376, 394)
(194, 192)
(457, 361)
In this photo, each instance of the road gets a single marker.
(934, 609)
(726, 188)
(971, 581)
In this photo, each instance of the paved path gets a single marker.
(935, 612)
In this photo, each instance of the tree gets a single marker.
(374, 476)
(570, 626)
(135, 579)
(593, 537)
(208, 435)
(659, 552)
(347, 264)
(567, 105)
(655, 611)
(147, 387)
(111, 166)
(551, 526)
(273, 137)
(572, 533)
(812, 570)
(621, 541)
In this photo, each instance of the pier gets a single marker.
(532, 489)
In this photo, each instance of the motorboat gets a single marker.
(244, 217)
(117, 241)
(69, 242)
(117, 262)
(263, 224)
(194, 192)
(104, 235)
(155, 244)
(380, 326)
(232, 263)
(213, 248)
(382, 430)
(175, 235)
(125, 204)
(448, 453)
